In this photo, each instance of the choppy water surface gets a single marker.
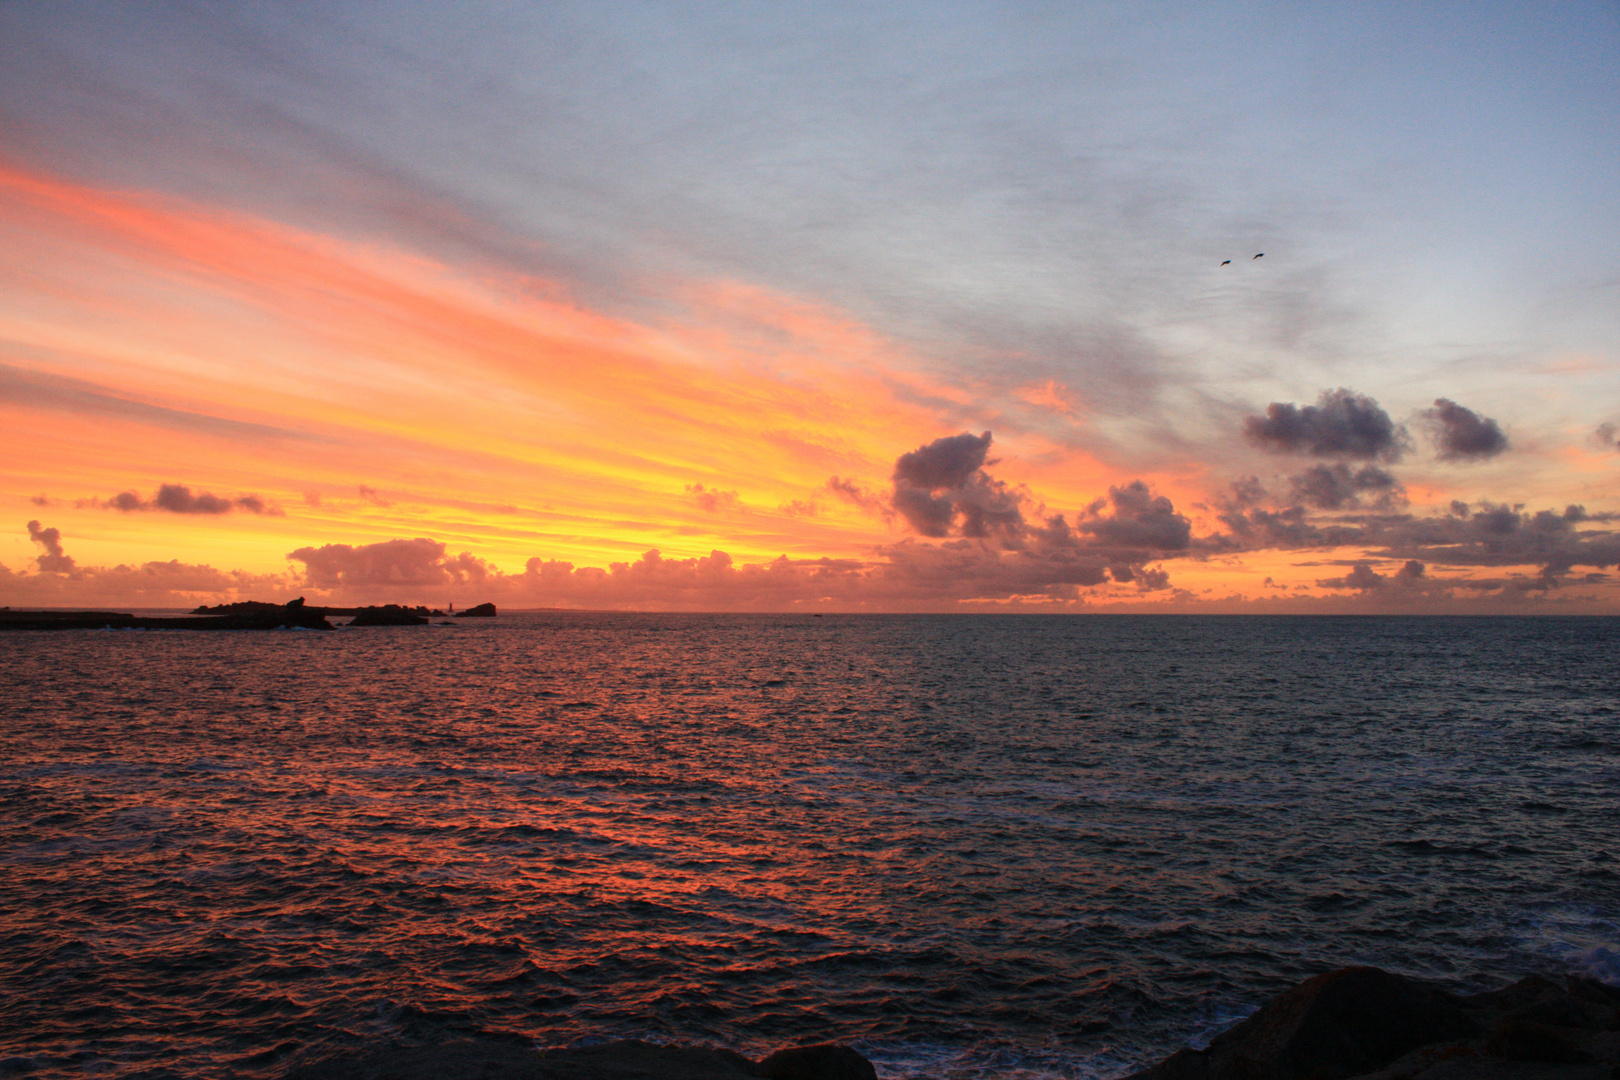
(975, 846)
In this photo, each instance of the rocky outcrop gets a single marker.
(389, 615)
(1363, 1022)
(824, 1061)
(482, 611)
(497, 1059)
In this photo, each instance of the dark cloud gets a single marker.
(1138, 519)
(180, 499)
(944, 463)
(1363, 578)
(54, 561)
(418, 562)
(40, 500)
(1607, 435)
(373, 496)
(1337, 487)
(1342, 423)
(1461, 434)
(1244, 492)
(1006, 546)
(942, 488)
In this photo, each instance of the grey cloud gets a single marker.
(1336, 487)
(373, 496)
(942, 490)
(1494, 535)
(948, 462)
(942, 486)
(928, 514)
(1363, 578)
(1342, 423)
(1139, 519)
(1607, 435)
(1463, 435)
(55, 560)
(1245, 492)
(180, 499)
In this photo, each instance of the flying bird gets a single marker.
(1259, 256)
(1226, 262)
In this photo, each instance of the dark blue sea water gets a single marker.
(972, 846)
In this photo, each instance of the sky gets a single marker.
(733, 306)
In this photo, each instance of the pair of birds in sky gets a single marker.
(1228, 262)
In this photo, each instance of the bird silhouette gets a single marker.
(1226, 262)
(1261, 255)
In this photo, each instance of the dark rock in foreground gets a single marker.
(824, 1061)
(482, 611)
(492, 1059)
(1363, 1022)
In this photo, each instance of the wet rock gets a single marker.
(823, 1061)
(1373, 1025)
(1337, 1025)
(502, 1059)
(1516, 1039)
(496, 1058)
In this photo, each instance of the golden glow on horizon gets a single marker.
(263, 359)
(368, 393)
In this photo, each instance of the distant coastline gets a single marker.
(242, 615)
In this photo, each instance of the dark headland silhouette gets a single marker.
(242, 615)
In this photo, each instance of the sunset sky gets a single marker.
(833, 307)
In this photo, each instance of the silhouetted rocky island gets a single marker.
(482, 611)
(391, 615)
(261, 607)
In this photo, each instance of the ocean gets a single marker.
(970, 846)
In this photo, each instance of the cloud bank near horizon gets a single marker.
(975, 541)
